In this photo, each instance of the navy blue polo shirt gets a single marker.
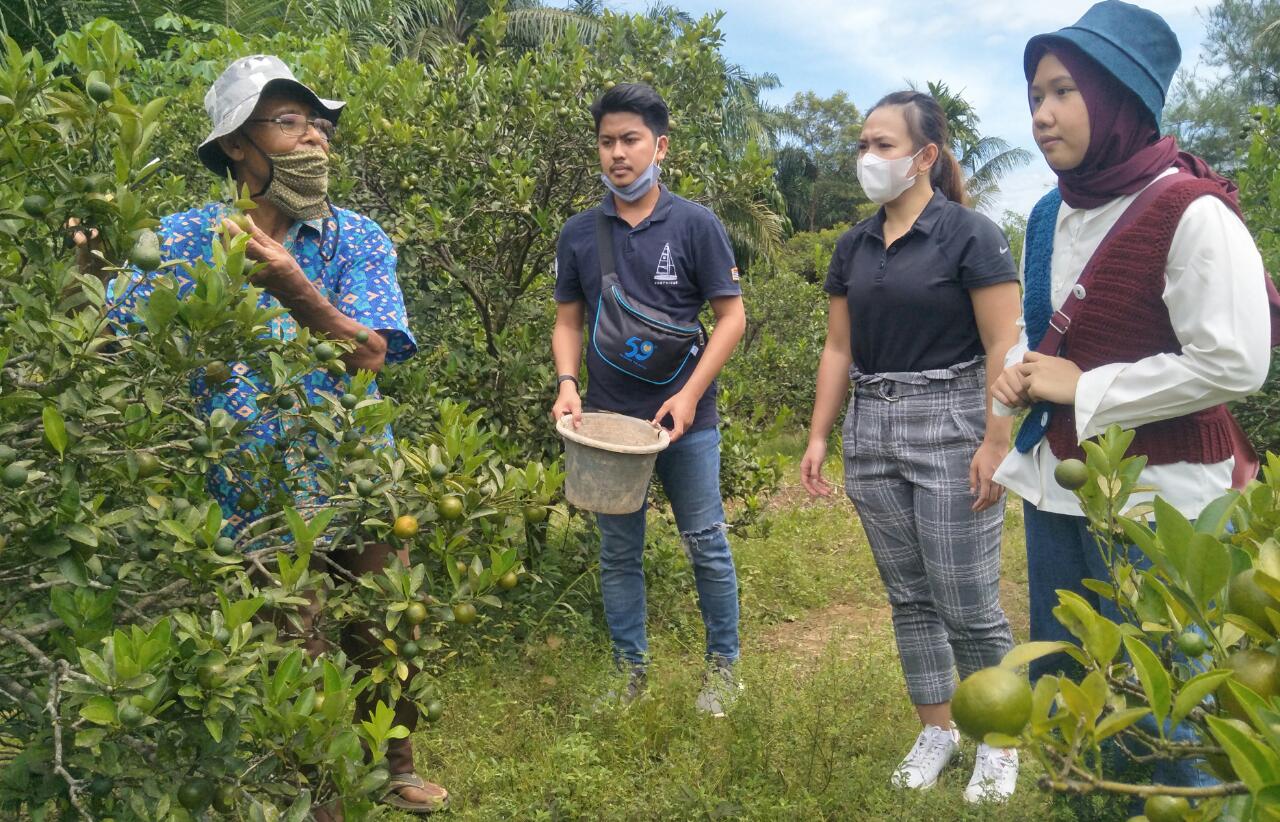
(909, 304)
(675, 260)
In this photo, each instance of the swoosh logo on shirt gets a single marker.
(1003, 250)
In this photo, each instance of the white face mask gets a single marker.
(883, 181)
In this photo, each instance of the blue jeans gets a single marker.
(690, 473)
(1061, 553)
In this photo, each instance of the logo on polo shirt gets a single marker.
(666, 272)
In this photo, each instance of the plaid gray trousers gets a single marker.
(908, 441)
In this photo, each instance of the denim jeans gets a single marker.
(1061, 553)
(690, 473)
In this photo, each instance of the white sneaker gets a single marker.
(995, 775)
(934, 749)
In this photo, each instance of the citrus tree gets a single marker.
(1197, 645)
(150, 666)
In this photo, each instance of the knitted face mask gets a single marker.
(300, 183)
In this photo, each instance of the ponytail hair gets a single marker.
(927, 123)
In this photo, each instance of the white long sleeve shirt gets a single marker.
(1217, 301)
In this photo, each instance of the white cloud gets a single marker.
(975, 46)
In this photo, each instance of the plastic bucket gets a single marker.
(609, 460)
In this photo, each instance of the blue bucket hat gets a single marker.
(1132, 44)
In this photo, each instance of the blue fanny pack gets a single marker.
(638, 340)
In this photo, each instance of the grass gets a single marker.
(822, 723)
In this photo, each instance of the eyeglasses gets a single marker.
(295, 125)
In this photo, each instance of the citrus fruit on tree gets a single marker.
(98, 91)
(1256, 670)
(224, 799)
(211, 675)
(216, 373)
(1166, 808)
(325, 352)
(461, 565)
(131, 716)
(365, 487)
(534, 514)
(406, 526)
(435, 710)
(451, 508)
(224, 546)
(415, 614)
(201, 445)
(993, 700)
(1192, 644)
(284, 402)
(362, 336)
(311, 452)
(1250, 600)
(14, 476)
(249, 500)
(438, 471)
(464, 613)
(196, 794)
(349, 401)
(409, 650)
(36, 205)
(508, 580)
(148, 464)
(1071, 474)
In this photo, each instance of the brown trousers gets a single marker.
(362, 647)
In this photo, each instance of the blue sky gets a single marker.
(871, 48)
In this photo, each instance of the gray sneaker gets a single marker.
(720, 688)
(623, 694)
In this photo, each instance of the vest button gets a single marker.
(1078, 290)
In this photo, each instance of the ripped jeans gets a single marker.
(690, 473)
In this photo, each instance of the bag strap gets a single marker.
(1060, 320)
(604, 246)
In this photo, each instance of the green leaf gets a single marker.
(1174, 532)
(99, 710)
(214, 727)
(55, 430)
(1194, 692)
(1154, 678)
(1118, 721)
(1256, 765)
(72, 568)
(94, 666)
(1215, 516)
(241, 611)
(1207, 567)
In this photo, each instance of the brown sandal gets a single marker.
(439, 800)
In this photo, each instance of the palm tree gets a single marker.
(984, 160)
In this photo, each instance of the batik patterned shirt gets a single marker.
(352, 262)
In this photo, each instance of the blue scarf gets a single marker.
(1037, 302)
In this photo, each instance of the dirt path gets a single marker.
(859, 611)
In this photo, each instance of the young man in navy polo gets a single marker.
(671, 256)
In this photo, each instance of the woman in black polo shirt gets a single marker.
(922, 295)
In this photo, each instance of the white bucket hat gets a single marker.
(235, 94)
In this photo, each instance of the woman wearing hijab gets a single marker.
(1174, 322)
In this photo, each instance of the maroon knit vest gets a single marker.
(1124, 319)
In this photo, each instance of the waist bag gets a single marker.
(636, 339)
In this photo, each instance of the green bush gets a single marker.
(1196, 645)
(1260, 200)
(140, 652)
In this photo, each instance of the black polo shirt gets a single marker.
(909, 306)
(676, 260)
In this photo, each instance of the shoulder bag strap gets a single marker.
(604, 247)
(1060, 321)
